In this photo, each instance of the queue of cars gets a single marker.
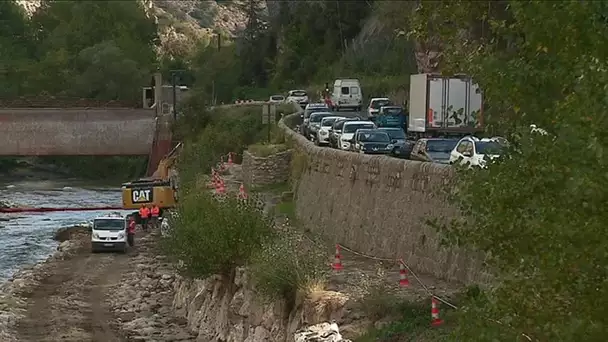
(350, 133)
(355, 134)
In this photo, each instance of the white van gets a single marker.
(347, 94)
(109, 232)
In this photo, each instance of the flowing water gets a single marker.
(27, 238)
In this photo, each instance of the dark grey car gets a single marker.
(398, 139)
(434, 150)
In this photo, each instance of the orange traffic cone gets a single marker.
(242, 193)
(221, 188)
(337, 265)
(435, 312)
(403, 281)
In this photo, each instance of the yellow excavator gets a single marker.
(159, 189)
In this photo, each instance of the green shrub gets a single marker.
(288, 266)
(214, 236)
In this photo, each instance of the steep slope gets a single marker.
(183, 24)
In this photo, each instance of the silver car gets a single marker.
(314, 123)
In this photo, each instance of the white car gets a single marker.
(471, 151)
(374, 105)
(324, 127)
(348, 132)
(297, 96)
(276, 99)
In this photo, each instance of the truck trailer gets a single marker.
(444, 106)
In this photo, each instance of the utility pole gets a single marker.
(174, 74)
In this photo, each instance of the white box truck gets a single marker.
(444, 105)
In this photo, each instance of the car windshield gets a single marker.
(339, 123)
(276, 98)
(328, 121)
(488, 147)
(374, 137)
(395, 133)
(298, 93)
(353, 128)
(380, 103)
(109, 224)
(317, 117)
(392, 111)
(442, 146)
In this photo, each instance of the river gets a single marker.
(27, 238)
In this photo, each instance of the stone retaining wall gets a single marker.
(380, 206)
(261, 171)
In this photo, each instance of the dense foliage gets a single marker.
(539, 215)
(90, 49)
(214, 237)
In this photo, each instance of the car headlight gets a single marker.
(390, 146)
(95, 236)
(323, 132)
(121, 235)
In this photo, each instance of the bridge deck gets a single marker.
(76, 131)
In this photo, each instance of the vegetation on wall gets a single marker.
(539, 214)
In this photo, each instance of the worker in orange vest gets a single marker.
(155, 214)
(131, 232)
(144, 213)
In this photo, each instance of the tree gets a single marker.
(538, 214)
(253, 40)
(74, 38)
(15, 47)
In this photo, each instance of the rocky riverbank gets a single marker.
(14, 293)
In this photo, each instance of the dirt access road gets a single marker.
(68, 305)
(79, 298)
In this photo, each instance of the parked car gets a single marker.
(371, 141)
(298, 96)
(336, 130)
(434, 150)
(472, 151)
(314, 123)
(309, 109)
(375, 104)
(347, 94)
(323, 132)
(398, 139)
(348, 132)
(277, 99)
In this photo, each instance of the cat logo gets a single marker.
(141, 195)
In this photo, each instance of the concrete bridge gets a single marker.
(77, 131)
(51, 126)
